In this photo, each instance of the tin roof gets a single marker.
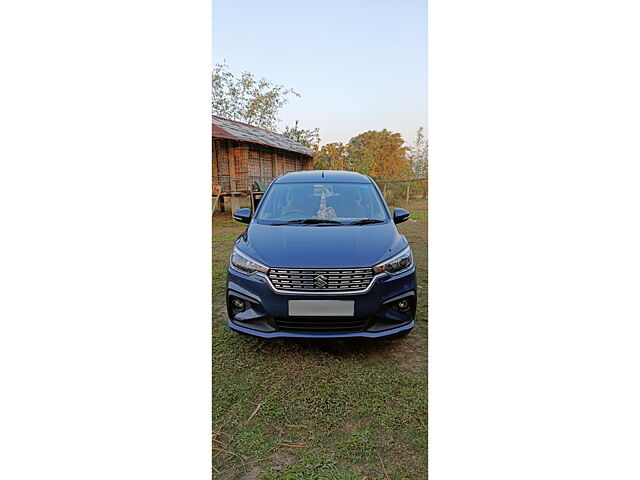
(223, 128)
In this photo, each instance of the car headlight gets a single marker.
(396, 264)
(245, 264)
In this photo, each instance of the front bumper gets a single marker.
(375, 311)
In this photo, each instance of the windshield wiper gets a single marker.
(309, 221)
(365, 221)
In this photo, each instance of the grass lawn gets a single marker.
(315, 410)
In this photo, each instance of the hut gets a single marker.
(243, 155)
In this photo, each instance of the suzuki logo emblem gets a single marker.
(320, 281)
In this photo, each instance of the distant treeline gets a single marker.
(382, 154)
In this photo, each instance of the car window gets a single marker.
(339, 202)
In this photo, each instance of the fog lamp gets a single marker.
(238, 304)
(404, 306)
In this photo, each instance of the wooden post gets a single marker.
(408, 185)
(216, 190)
(214, 162)
(235, 203)
(272, 159)
(215, 203)
(232, 167)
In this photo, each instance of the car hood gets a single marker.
(313, 246)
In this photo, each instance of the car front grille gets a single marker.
(320, 280)
(321, 325)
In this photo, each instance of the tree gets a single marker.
(308, 138)
(332, 156)
(246, 99)
(420, 155)
(379, 153)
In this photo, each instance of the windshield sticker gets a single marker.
(324, 212)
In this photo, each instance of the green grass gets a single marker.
(336, 410)
(229, 223)
(322, 467)
(417, 211)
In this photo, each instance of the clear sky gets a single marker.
(358, 64)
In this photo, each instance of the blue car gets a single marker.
(321, 258)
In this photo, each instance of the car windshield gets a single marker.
(322, 203)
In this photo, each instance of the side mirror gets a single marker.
(400, 215)
(242, 215)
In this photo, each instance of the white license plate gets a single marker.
(321, 308)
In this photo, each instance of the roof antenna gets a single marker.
(322, 173)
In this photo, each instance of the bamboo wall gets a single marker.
(236, 166)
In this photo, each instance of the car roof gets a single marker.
(323, 176)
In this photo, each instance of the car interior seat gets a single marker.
(301, 202)
(347, 203)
